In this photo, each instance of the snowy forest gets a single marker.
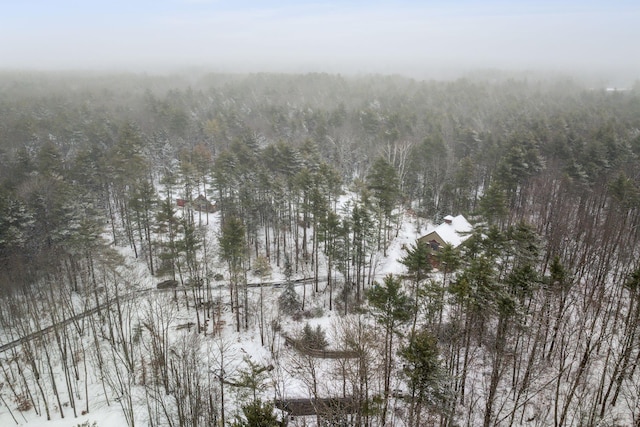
(240, 250)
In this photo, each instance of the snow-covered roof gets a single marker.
(453, 231)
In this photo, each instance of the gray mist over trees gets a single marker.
(418, 39)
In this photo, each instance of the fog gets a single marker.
(419, 39)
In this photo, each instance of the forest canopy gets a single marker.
(75, 147)
(313, 174)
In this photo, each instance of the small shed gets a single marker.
(453, 231)
(322, 406)
(202, 204)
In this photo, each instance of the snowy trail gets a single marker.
(127, 297)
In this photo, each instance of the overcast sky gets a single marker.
(353, 36)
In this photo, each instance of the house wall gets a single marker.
(432, 236)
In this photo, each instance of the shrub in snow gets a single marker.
(314, 339)
(23, 403)
(289, 301)
(257, 414)
(314, 312)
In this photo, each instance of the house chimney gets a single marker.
(448, 219)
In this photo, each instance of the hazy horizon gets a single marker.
(417, 39)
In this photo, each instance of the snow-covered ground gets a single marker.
(287, 380)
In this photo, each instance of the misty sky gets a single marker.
(351, 36)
